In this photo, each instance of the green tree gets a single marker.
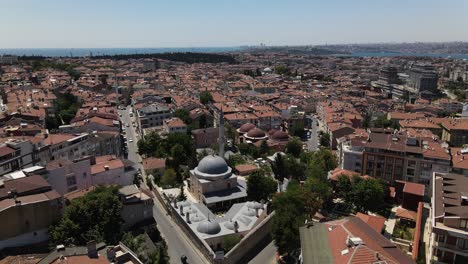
(95, 216)
(182, 196)
(325, 140)
(260, 186)
(291, 209)
(264, 148)
(368, 194)
(169, 178)
(344, 188)
(279, 169)
(206, 97)
(294, 147)
(235, 160)
(230, 242)
(297, 130)
(282, 70)
(184, 115)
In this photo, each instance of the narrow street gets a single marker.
(177, 242)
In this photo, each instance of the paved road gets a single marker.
(312, 142)
(266, 256)
(177, 242)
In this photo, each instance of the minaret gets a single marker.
(221, 134)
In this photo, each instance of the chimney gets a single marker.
(92, 251)
(256, 212)
(181, 210)
(187, 217)
(236, 227)
(106, 167)
(110, 253)
(175, 203)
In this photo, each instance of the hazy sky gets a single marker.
(206, 23)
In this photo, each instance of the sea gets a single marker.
(80, 52)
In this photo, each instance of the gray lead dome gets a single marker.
(212, 165)
(210, 228)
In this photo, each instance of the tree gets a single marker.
(325, 140)
(279, 169)
(202, 121)
(184, 115)
(291, 209)
(95, 216)
(264, 148)
(260, 186)
(319, 187)
(297, 130)
(294, 147)
(182, 196)
(235, 160)
(368, 194)
(295, 169)
(344, 188)
(206, 97)
(168, 178)
(230, 242)
(282, 70)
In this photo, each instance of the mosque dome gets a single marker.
(256, 133)
(212, 164)
(280, 136)
(246, 127)
(208, 227)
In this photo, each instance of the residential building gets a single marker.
(28, 206)
(397, 156)
(16, 154)
(205, 137)
(137, 205)
(174, 125)
(107, 170)
(348, 240)
(423, 78)
(152, 115)
(460, 160)
(449, 219)
(455, 131)
(67, 176)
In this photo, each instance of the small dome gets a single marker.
(254, 205)
(246, 127)
(196, 218)
(210, 228)
(249, 212)
(272, 131)
(212, 165)
(256, 133)
(229, 225)
(280, 135)
(183, 203)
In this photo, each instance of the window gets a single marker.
(71, 180)
(464, 223)
(74, 188)
(462, 243)
(84, 175)
(6, 166)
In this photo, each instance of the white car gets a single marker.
(130, 140)
(127, 125)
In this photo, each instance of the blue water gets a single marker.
(78, 52)
(397, 54)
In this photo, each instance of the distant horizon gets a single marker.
(245, 45)
(221, 23)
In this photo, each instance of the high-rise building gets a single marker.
(423, 78)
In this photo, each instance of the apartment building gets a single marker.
(449, 219)
(455, 131)
(152, 115)
(16, 154)
(397, 156)
(66, 176)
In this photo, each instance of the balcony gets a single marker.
(451, 248)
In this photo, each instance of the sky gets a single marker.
(223, 23)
